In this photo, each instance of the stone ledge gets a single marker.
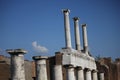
(77, 58)
(16, 51)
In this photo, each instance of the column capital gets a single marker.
(94, 71)
(87, 69)
(79, 68)
(39, 57)
(16, 51)
(65, 10)
(76, 18)
(84, 25)
(68, 66)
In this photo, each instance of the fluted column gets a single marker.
(94, 73)
(101, 75)
(85, 41)
(58, 72)
(77, 33)
(17, 64)
(80, 73)
(88, 74)
(41, 70)
(70, 73)
(67, 28)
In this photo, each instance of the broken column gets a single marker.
(70, 73)
(85, 41)
(94, 72)
(88, 74)
(77, 34)
(41, 70)
(17, 64)
(67, 28)
(101, 76)
(80, 73)
(58, 72)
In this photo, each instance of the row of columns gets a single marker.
(77, 34)
(81, 74)
(58, 75)
(18, 71)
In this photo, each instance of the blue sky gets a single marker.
(24, 22)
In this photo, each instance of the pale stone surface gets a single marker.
(16, 51)
(85, 41)
(77, 33)
(101, 75)
(17, 63)
(58, 72)
(41, 70)
(88, 75)
(67, 28)
(70, 73)
(80, 74)
(17, 67)
(95, 75)
(76, 58)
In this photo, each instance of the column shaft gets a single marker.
(58, 72)
(41, 71)
(17, 64)
(77, 33)
(101, 75)
(95, 75)
(70, 74)
(85, 41)
(88, 75)
(17, 67)
(80, 74)
(67, 28)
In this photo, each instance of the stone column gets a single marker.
(88, 74)
(67, 28)
(41, 70)
(85, 41)
(17, 64)
(94, 72)
(101, 75)
(58, 72)
(70, 73)
(77, 33)
(80, 73)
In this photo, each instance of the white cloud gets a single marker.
(39, 48)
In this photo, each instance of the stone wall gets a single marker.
(110, 68)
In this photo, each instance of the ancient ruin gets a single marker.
(67, 64)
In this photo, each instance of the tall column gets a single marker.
(58, 72)
(88, 74)
(67, 28)
(77, 33)
(41, 70)
(80, 73)
(70, 73)
(85, 41)
(94, 72)
(17, 64)
(101, 75)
